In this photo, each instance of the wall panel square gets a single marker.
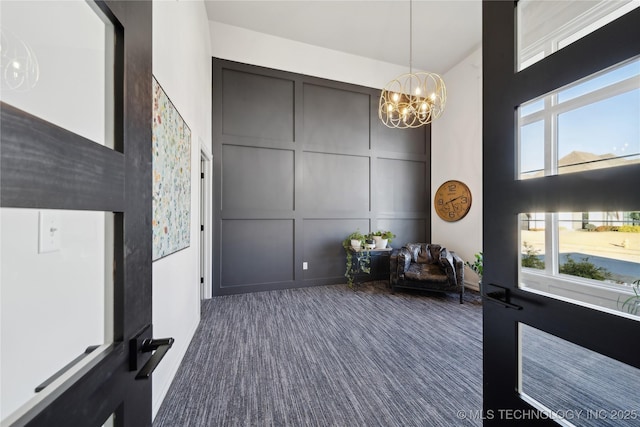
(334, 182)
(406, 230)
(412, 141)
(256, 251)
(335, 119)
(257, 106)
(400, 186)
(257, 178)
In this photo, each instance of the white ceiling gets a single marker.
(444, 32)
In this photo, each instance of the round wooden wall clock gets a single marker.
(452, 200)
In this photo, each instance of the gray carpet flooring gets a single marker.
(329, 356)
(586, 388)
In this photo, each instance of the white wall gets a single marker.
(182, 66)
(250, 47)
(456, 153)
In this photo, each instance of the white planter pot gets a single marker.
(355, 244)
(381, 243)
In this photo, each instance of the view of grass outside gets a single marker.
(617, 252)
(586, 246)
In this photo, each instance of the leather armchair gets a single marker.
(428, 267)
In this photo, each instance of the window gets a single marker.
(545, 27)
(590, 257)
(590, 124)
(587, 257)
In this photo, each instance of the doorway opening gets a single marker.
(205, 262)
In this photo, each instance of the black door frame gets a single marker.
(505, 197)
(47, 167)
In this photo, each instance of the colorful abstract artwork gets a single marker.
(171, 177)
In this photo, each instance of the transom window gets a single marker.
(545, 27)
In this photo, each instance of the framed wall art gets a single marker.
(171, 177)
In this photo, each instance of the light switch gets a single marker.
(305, 265)
(49, 240)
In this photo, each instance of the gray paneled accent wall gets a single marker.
(299, 163)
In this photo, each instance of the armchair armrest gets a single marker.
(393, 267)
(404, 260)
(399, 263)
(459, 268)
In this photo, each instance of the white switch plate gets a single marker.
(49, 234)
(305, 266)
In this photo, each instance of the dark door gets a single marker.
(539, 336)
(45, 166)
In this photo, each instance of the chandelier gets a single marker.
(413, 99)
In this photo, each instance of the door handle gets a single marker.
(141, 344)
(501, 297)
(160, 347)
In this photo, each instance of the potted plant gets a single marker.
(377, 236)
(387, 237)
(369, 241)
(477, 267)
(382, 238)
(353, 245)
(355, 240)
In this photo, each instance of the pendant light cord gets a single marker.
(410, 36)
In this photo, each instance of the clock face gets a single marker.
(452, 200)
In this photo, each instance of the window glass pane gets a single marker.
(532, 150)
(57, 64)
(630, 70)
(56, 296)
(547, 26)
(531, 107)
(532, 240)
(585, 257)
(600, 135)
(601, 246)
(576, 384)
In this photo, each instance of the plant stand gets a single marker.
(367, 264)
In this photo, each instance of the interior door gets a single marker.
(50, 166)
(524, 324)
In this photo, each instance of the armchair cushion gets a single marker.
(424, 253)
(434, 253)
(423, 272)
(414, 249)
(423, 256)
